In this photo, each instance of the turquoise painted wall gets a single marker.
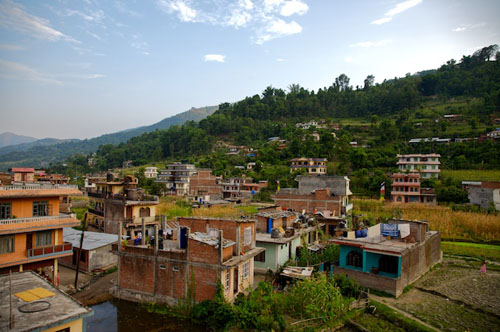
(369, 260)
(344, 250)
(283, 253)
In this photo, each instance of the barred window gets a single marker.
(355, 258)
(6, 244)
(43, 238)
(246, 270)
(40, 208)
(228, 280)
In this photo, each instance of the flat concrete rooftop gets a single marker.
(62, 307)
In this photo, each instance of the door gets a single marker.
(236, 282)
(29, 241)
(269, 225)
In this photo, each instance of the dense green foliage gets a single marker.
(380, 117)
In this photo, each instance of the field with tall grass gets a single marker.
(453, 225)
(472, 174)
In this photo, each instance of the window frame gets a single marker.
(355, 259)
(245, 270)
(37, 205)
(38, 241)
(6, 207)
(227, 281)
(12, 244)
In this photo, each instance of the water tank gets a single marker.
(275, 233)
(109, 177)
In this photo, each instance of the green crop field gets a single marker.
(477, 250)
(472, 175)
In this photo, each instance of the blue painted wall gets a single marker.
(369, 260)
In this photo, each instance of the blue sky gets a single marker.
(82, 69)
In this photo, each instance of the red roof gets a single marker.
(22, 170)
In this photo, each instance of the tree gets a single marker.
(369, 80)
(342, 82)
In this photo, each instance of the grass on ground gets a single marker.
(481, 251)
(472, 175)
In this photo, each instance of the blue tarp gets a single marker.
(361, 233)
(389, 230)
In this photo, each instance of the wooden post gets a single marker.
(84, 225)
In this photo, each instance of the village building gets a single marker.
(22, 174)
(425, 164)
(31, 227)
(53, 178)
(333, 225)
(151, 172)
(59, 311)
(313, 166)
(390, 256)
(204, 186)
(115, 201)
(207, 251)
(483, 194)
(406, 189)
(316, 193)
(5, 178)
(95, 254)
(282, 234)
(238, 188)
(176, 177)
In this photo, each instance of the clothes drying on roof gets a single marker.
(389, 230)
(404, 230)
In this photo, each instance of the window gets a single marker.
(40, 208)
(6, 244)
(228, 280)
(260, 257)
(5, 210)
(355, 258)
(246, 270)
(43, 238)
(388, 264)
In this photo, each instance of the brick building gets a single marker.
(391, 256)
(406, 189)
(23, 174)
(176, 177)
(313, 166)
(203, 185)
(316, 193)
(205, 252)
(237, 188)
(31, 227)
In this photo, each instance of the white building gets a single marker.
(177, 177)
(151, 172)
(425, 164)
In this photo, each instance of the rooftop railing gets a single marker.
(12, 221)
(38, 186)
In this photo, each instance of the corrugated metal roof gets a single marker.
(91, 240)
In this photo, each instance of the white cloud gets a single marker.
(294, 7)
(184, 12)
(266, 18)
(95, 16)
(368, 44)
(398, 9)
(465, 27)
(348, 59)
(280, 60)
(11, 47)
(90, 76)
(214, 58)
(19, 71)
(13, 16)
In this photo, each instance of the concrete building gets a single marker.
(317, 193)
(204, 186)
(237, 188)
(425, 164)
(58, 311)
(151, 172)
(314, 166)
(95, 253)
(113, 202)
(391, 256)
(23, 174)
(176, 177)
(53, 178)
(484, 194)
(31, 227)
(205, 252)
(406, 189)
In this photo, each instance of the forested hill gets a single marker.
(42, 152)
(380, 117)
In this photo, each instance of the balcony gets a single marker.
(36, 219)
(96, 212)
(38, 186)
(47, 251)
(138, 220)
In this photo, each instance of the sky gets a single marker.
(80, 69)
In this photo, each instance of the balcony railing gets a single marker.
(138, 220)
(96, 212)
(59, 249)
(38, 186)
(35, 219)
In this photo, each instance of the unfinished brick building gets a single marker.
(316, 193)
(207, 251)
(203, 185)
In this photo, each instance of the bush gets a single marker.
(348, 287)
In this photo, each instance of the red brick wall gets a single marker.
(202, 252)
(320, 201)
(205, 282)
(205, 182)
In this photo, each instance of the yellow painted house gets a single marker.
(31, 226)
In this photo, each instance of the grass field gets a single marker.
(472, 175)
(453, 225)
(476, 250)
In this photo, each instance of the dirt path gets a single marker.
(404, 313)
(97, 291)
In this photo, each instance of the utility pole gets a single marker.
(84, 226)
(11, 316)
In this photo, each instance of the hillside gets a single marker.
(7, 139)
(41, 153)
(382, 118)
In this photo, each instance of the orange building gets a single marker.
(31, 227)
